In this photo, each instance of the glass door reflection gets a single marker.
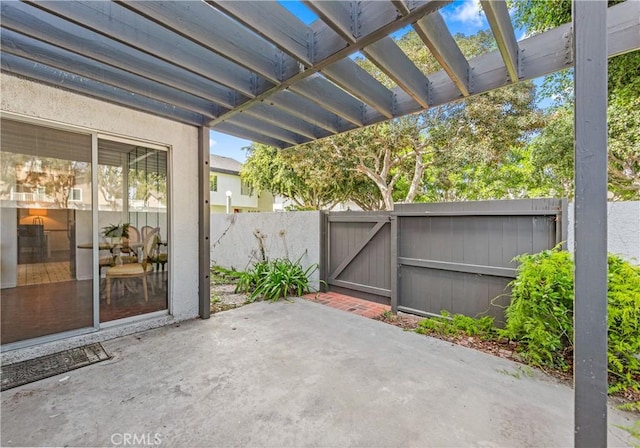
(45, 189)
(132, 217)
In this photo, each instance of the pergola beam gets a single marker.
(436, 36)
(287, 121)
(330, 47)
(34, 70)
(212, 29)
(338, 16)
(314, 114)
(330, 97)
(267, 129)
(389, 58)
(498, 16)
(358, 82)
(119, 23)
(28, 48)
(546, 53)
(238, 131)
(35, 23)
(274, 23)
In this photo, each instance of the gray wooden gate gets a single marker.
(425, 258)
(358, 254)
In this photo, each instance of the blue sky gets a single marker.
(461, 16)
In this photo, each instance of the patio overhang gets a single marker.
(254, 70)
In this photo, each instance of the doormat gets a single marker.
(24, 372)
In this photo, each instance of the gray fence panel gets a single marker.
(456, 257)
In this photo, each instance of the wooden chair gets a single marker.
(144, 231)
(127, 252)
(105, 260)
(135, 270)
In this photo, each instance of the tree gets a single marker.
(551, 154)
(307, 175)
(624, 147)
(386, 154)
(110, 185)
(444, 153)
(476, 139)
(553, 148)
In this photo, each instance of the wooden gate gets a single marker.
(425, 258)
(358, 254)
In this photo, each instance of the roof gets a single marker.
(254, 70)
(222, 164)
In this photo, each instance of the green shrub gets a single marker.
(275, 279)
(457, 325)
(624, 324)
(540, 315)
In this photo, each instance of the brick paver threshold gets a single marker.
(347, 303)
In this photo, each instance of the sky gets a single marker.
(461, 16)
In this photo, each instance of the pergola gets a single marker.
(254, 70)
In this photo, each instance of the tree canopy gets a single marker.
(438, 154)
(552, 150)
(497, 145)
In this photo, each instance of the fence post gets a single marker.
(324, 250)
(394, 263)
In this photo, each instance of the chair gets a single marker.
(127, 252)
(160, 256)
(106, 261)
(144, 231)
(135, 270)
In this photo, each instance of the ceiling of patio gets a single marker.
(254, 70)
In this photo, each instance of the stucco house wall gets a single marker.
(57, 106)
(623, 229)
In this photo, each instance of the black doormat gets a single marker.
(19, 373)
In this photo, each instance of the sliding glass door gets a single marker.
(132, 216)
(85, 236)
(46, 199)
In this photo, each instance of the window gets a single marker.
(75, 194)
(246, 189)
(213, 182)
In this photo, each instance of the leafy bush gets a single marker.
(624, 324)
(458, 324)
(540, 315)
(275, 279)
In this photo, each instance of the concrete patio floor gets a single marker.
(293, 374)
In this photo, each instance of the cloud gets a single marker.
(468, 13)
(212, 143)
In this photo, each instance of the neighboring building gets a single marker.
(225, 178)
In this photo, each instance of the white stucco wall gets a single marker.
(58, 106)
(623, 229)
(290, 235)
